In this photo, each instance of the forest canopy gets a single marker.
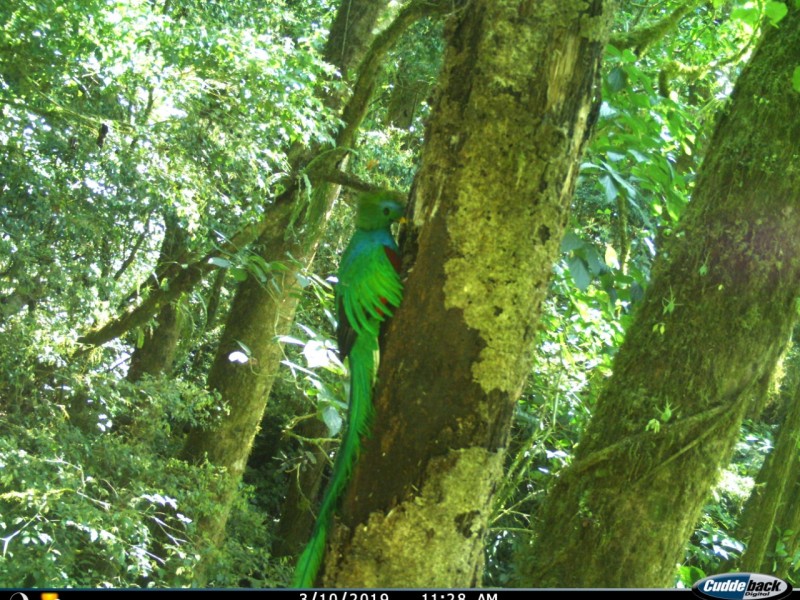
(590, 380)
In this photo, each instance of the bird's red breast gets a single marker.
(394, 257)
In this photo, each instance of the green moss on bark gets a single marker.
(430, 540)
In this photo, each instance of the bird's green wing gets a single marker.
(368, 289)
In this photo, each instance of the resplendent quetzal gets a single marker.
(369, 287)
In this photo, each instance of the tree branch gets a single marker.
(356, 183)
(132, 255)
(675, 68)
(641, 40)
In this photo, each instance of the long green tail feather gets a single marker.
(362, 370)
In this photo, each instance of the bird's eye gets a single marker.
(386, 211)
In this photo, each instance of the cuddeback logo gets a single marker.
(737, 586)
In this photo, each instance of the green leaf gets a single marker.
(287, 339)
(239, 274)
(611, 257)
(332, 419)
(746, 14)
(617, 78)
(775, 11)
(627, 186)
(609, 187)
(258, 272)
(244, 348)
(220, 262)
(796, 79)
(571, 242)
(640, 158)
(580, 274)
(614, 156)
(690, 575)
(259, 263)
(593, 261)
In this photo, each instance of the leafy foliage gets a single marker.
(117, 117)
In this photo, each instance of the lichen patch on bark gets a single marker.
(510, 208)
(410, 539)
(494, 255)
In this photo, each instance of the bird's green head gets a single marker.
(377, 210)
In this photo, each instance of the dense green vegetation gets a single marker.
(146, 140)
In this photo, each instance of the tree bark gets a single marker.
(764, 519)
(714, 320)
(490, 205)
(258, 315)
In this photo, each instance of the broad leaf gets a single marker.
(775, 11)
(571, 242)
(580, 274)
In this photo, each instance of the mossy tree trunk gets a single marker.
(787, 522)
(489, 208)
(770, 512)
(717, 315)
(261, 312)
(157, 353)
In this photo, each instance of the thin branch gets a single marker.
(328, 159)
(641, 40)
(356, 107)
(325, 165)
(134, 251)
(675, 68)
(355, 183)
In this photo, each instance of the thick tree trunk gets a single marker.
(489, 209)
(259, 314)
(351, 32)
(715, 319)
